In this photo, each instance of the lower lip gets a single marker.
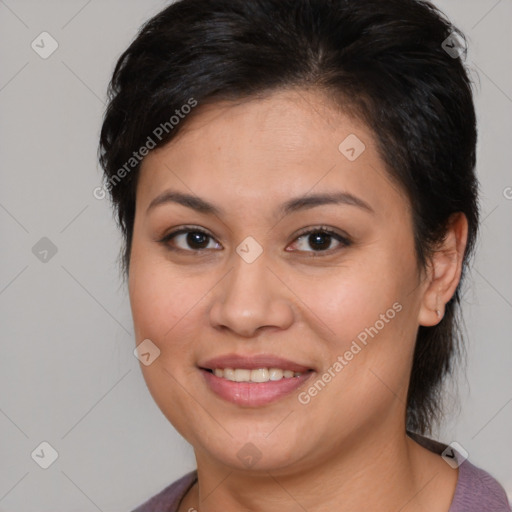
(253, 394)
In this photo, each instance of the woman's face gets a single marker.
(267, 287)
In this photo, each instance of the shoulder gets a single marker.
(476, 489)
(169, 498)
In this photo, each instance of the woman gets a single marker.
(295, 184)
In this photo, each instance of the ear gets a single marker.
(444, 271)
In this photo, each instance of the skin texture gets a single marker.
(344, 449)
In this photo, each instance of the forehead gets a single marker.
(289, 123)
(268, 149)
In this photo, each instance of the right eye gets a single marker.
(190, 240)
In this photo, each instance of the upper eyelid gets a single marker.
(320, 229)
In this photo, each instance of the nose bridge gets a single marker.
(248, 281)
(250, 296)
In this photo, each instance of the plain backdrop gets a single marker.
(68, 374)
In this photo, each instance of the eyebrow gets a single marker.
(296, 204)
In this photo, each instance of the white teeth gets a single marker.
(229, 374)
(242, 375)
(258, 375)
(275, 374)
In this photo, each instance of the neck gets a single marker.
(384, 473)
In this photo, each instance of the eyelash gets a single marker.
(344, 240)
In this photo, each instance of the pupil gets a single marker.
(320, 240)
(197, 239)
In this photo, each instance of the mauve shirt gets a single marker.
(476, 490)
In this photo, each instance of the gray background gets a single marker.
(68, 375)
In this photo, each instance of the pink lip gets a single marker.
(253, 394)
(252, 363)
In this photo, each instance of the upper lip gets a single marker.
(252, 362)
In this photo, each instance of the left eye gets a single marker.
(319, 240)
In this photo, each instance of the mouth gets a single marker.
(253, 381)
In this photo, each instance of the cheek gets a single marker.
(166, 308)
(170, 307)
(367, 312)
(165, 313)
(355, 296)
(162, 301)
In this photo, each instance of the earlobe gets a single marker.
(444, 271)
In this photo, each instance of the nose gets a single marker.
(250, 299)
